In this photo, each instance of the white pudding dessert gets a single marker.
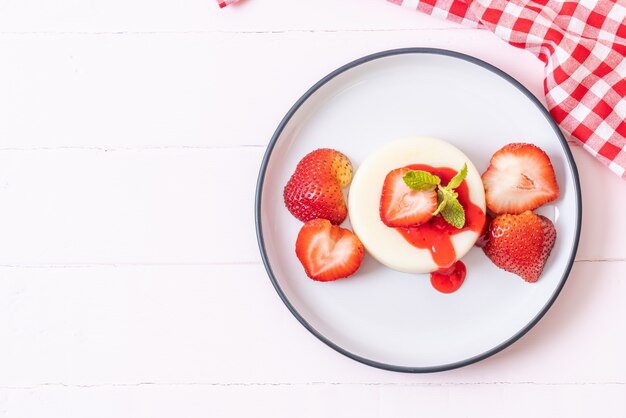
(424, 248)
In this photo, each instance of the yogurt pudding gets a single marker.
(425, 248)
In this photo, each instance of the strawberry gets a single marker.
(520, 177)
(315, 188)
(402, 206)
(520, 244)
(328, 252)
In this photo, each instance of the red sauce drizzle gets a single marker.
(435, 235)
(484, 235)
(450, 279)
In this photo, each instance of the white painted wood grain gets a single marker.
(185, 205)
(604, 199)
(225, 324)
(157, 206)
(318, 400)
(132, 291)
(218, 89)
(205, 15)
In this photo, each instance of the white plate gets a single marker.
(394, 320)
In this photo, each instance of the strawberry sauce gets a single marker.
(450, 279)
(436, 235)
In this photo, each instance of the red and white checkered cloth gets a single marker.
(583, 45)
(224, 3)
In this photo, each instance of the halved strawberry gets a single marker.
(315, 188)
(328, 252)
(520, 177)
(401, 206)
(520, 244)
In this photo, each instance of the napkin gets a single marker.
(583, 45)
(224, 3)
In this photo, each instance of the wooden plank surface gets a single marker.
(98, 16)
(320, 400)
(131, 135)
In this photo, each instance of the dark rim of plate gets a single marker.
(294, 109)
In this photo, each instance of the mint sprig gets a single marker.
(447, 199)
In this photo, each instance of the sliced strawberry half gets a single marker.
(401, 206)
(328, 252)
(520, 177)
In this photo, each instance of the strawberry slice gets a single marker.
(520, 244)
(520, 177)
(401, 206)
(328, 252)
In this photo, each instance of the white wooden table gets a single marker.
(131, 134)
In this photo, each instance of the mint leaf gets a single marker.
(441, 201)
(444, 196)
(458, 178)
(453, 213)
(421, 180)
(446, 193)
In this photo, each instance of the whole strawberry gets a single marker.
(520, 243)
(315, 188)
